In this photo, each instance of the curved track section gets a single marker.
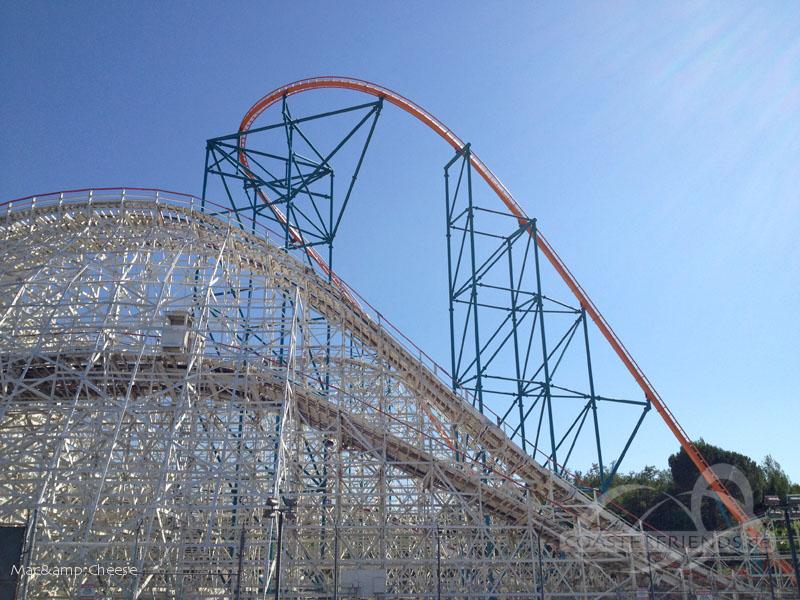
(513, 206)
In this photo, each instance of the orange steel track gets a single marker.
(451, 138)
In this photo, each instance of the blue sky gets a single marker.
(657, 144)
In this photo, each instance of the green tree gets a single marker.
(777, 481)
(648, 494)
(662, 496)
(685, 474)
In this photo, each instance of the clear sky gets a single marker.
(657, 144)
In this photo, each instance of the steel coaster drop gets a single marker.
(511, 204)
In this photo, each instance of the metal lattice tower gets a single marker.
(168, 375)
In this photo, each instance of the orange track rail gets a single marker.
(451, 138)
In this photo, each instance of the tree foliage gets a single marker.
(662, 497)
